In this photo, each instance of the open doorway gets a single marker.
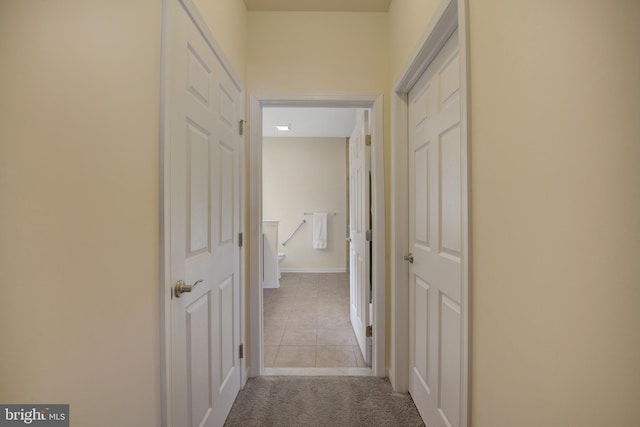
(306, 227)
(305, 282)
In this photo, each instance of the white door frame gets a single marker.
(256, 104)
(450, 15)
(169, 11)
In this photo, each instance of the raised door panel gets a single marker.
(198, 77)
(421, 332)
(198, 334)
(227, 344)
(450, 220)
(199, 191)
(226, 191)
(449, 363)
(421, 161)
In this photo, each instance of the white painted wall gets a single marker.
(306, 175)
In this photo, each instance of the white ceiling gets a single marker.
(309, 122)
(319, 5)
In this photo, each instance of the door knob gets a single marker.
(181, 287)
(409, 257)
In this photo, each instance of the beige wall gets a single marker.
(317, 52)
(407, 25)
(306, 175)
(79, 243)
(555, 207)
(79, 189)
(227, 21)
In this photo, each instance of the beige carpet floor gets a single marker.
(322, 401)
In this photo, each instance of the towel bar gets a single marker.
(328, 213)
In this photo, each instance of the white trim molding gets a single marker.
(450, 15)
(313, 270)
(256, 104)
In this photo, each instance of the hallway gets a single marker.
(553, 166)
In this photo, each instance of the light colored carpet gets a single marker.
(322, 401)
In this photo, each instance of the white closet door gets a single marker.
(204, 169)
(435, 240)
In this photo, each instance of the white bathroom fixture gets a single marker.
(281, 257)
(270, 271)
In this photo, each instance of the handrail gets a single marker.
(328, 213)
(294, 232)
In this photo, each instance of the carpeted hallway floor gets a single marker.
(322, 401)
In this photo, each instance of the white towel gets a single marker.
(319, 230)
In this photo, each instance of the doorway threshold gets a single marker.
(318, 372)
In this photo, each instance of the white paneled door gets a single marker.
(359, 229)
(204, 168)
(435, 238)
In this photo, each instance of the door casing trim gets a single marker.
(256, 103)
(450, 15)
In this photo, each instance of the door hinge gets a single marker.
(241, 351)
(240, 240)
(241, 127)
(368, 235)
(369, 331)
(367, 140)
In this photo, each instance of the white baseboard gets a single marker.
(270, 285)
(313, 270)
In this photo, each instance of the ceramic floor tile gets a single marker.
(333, 322)
(292, 314)
(335, 357)
(354, 340)
(278, 303)
(307, 299)
(359, 359)
(302, 321)
(290, 291)
(307, 287)
(305, 308)
(334, 336)
(330, 299)
(273, 336)
(270, 353)
(277, 322)
(331, 311)
(268, 294)
(296, 357)
(299, 337)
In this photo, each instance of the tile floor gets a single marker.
(306, 323)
